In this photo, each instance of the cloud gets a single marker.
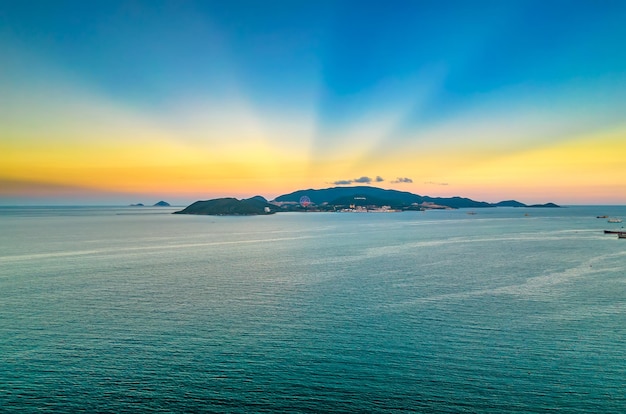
(434, 183)
(402, 180)
(360, 180)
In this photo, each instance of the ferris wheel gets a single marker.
(305, 201)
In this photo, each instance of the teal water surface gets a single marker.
(138, 310)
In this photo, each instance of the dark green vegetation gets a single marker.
(396, 199)
(231, 206)
(338, 198)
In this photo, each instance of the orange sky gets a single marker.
(89, 114)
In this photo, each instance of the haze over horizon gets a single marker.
(122, 102)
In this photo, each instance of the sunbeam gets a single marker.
(207, 99)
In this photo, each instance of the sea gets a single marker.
(497, 310)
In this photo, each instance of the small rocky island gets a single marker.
(159, 204)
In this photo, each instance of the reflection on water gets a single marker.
(427, 311)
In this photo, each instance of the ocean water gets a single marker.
(138, 310)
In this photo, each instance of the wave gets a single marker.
(52, 255)
(533, 286)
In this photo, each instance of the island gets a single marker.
(158, 204)
(231, 207)
(342, 199)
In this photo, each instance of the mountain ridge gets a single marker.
(340, 198)
(393, 197)
(229, 206)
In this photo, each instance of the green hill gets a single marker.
(230, 207)
(392, 198)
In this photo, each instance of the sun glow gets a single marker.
(235, 115)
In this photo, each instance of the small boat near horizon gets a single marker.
(621, 234)
(614, 231)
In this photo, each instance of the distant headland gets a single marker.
(341, 199)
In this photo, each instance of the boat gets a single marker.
(602, 216)
(621, 234)
(614, 220)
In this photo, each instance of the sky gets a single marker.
(108, 102)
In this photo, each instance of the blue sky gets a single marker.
(340, 87)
